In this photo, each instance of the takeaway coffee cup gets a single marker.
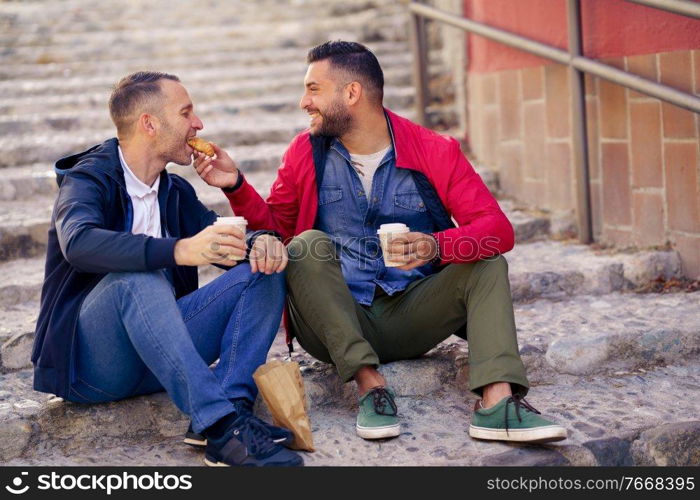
(386, 232)
(239, 222)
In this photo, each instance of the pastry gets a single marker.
(201, 145)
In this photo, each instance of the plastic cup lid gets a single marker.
(231, 220)
(393, 228)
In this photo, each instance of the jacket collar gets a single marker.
(400, 148)
(403, 148)
(102, 159)
(340, 148)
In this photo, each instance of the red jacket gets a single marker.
(482, 229)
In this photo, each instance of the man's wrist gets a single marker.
(179, 251)
(437, 258)
(251, 236)
(236, 185)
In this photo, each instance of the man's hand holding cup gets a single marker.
(224, 244)
(404, 249)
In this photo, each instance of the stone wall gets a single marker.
(644, 158)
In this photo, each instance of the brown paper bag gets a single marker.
(282, 389)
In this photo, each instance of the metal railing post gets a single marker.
(420, 65)
(579, 130)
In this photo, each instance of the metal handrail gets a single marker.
(578, 65)
(682, 7)
(581, 63)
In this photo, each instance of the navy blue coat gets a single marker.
(90, 236)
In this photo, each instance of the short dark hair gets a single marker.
(134, 92)
(356, 60)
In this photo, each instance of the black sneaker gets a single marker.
(279, 435)
(194, 439)
(247, 443)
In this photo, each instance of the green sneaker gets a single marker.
(514, 419)
(377, 418)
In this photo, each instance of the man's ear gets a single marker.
(353, 93)
(149, 124)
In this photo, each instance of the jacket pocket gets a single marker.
(331, 212)
(410, 209)
(329, 194)
(410, 200)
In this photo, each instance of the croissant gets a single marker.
(201, 145)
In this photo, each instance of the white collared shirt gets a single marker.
(144, 200)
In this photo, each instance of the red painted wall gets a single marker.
(611, 28)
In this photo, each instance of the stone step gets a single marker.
(24, 225)
(216, 52)
(48, 146)
(22, 183)
(32, 62)
(77, 119)
(434, 404)
(195, 76)
(35, 17)
(85, 20)
(215, 95)
(232, 23)
(557, 270)
(490, 176)
(387, 23)
(17, 335)
(29, 13)
(258, 162)
(21, 281)
(423, 444)
(261, 78)
(528, 225)
(35, 180)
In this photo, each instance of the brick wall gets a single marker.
(644, 154)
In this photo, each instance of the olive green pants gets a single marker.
(331, 326)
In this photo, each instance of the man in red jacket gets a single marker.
(359, 166)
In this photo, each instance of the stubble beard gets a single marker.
(336, 121)
(173, 147)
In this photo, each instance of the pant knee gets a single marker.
(496, 266)
(241, 274)
(311, 246)
(275, 281)
(138, 277)
(147, 280)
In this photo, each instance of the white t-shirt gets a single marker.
(144, 200)
(366, 166)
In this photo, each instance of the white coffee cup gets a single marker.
(240, 223)
(386, 232)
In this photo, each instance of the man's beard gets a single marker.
(336, 121)
(173, 146)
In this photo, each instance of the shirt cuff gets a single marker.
(239, 183)
(160, 253)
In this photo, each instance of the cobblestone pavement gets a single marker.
(619, 369)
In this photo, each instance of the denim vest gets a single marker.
(351, 218)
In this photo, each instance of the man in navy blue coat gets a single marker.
(121, 313)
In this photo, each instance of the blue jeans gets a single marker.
(135, 338)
